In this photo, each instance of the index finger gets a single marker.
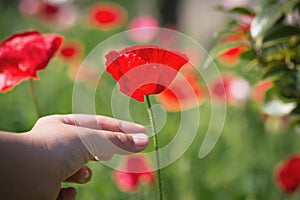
(103, 123)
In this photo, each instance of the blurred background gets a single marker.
(254, 138)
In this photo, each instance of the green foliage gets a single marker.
(274, 39)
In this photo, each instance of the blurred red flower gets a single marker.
(287, 174)
(183, 93)
(143, 70)
(220, 88)
(106, 16)
(49, 10)
(233, 89)
(135, 170)
(71, 50)
(259, 90)
(23, 54)
(231, 57)
(55, 14)
(61, 15)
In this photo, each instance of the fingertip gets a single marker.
(105, 157)
(126, 143)
(68, 193)
(83, 175)
(86, 174)
(140, 140)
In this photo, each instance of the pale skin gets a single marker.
(34, 164)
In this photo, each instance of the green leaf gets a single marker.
(273, 69)
(242, 10)
(269, 16)
(236, 10)
(263, 3)
(282, 40)
(248, 55)
(280, 31)
(253, 63)
(287, 85)
(297, 57)
(296, 110)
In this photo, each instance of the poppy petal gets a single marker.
(107, 16)
(135, 170)
(288, 174)
(144, 70)
(183, 93)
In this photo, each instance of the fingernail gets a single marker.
(140, 139)
(86, 174)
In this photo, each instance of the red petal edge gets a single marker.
(141, 70)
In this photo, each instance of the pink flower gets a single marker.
(29, 7)
(233, 89)
(58, 15)
(145, 28)
(135, 170)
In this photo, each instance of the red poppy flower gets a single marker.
(183, 93)
(71, 50)
(231, 57)
(23, 54)
(50, 9)
(143, 70)
(59, 15)
(220, 88)
(55, 14)
(107, 16)
(136, 170)
(287, 174)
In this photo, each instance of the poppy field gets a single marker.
(222, 117)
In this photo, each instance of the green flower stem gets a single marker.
(36, 104)
(156, 147)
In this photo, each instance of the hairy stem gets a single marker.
(156, 147)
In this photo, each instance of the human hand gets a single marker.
(56, 149)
